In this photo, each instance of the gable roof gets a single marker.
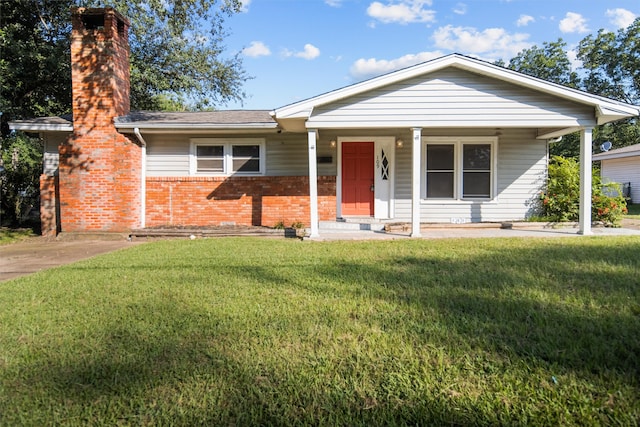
(607, 110)
(628, 151)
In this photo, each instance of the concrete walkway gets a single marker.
(470, 232)
(36, 254)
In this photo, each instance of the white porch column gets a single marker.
(585, 181)
(313, 182)
(416, 149)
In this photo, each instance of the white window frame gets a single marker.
(459, 143)
(227, 144)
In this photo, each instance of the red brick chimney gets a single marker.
(100, 170)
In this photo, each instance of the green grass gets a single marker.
(282, 332)
(634, 211)
(12, 235)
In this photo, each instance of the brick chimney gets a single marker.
(100, 171)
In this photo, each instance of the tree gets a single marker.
(177, 55)
(549, 62)
(21, 159)
(35, 80)
(611, 62)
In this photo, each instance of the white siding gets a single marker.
(520, 174)
(286, 155)
(451, 98)
(167, 155)
(623, 170)
(51, 156)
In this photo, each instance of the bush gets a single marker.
(609, 205)
(561, 200)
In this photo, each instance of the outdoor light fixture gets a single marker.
(399, 143)
(332, 143)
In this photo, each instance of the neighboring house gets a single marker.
(455, 139)
(622, 165)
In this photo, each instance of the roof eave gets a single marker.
(607, 156)
(40, 127)
(194, 127)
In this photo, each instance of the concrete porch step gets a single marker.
(351, 225)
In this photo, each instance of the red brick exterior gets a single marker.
(212, 201)
(49, 205)
(100, 169)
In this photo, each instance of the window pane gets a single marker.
(477, 157)
(210, 165)
(210, 150)
(440, 184)
(476, 185)
(439, 157)
(246, 165)
(246, 151)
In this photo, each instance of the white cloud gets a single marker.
(365, 68)
(622, 18)
(572, 55)
(573, 23)
(333, 3)
(256, 49)
(525, 20)
(244, 5)
(490, 44)
(310, 52)
(460, 9)
(402, 12)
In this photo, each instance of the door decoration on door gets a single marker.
(385, 166)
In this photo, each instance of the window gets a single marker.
(210, 158)
(245, 158)
(440, 171)
(476, 171)
(460, 168)
(218, 156)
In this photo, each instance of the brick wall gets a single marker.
(212, 201)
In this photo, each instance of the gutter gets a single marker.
(150, 127)
(143, 177)
(31, 127)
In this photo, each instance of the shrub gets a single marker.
(608, 205)
(561, 199)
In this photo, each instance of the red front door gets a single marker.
(357, 178)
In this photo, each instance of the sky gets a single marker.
(298, 49)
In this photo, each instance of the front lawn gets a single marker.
(244, 331)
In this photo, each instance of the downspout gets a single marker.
(143, 177)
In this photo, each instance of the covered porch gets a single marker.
(453, 140)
